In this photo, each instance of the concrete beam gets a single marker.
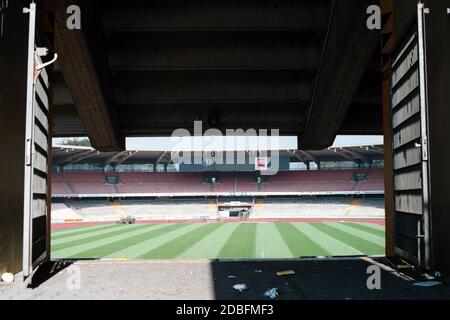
(363, 118)
(212, 87)
(214, 51)
(162, 119)
(348, 52)
(209, 15)
(86, 79)
(67, 122)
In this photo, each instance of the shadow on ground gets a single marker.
(330, 279)
(46, 271)
(314, 279)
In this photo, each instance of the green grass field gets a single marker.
(218, 241)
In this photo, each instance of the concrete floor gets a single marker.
(342, 279)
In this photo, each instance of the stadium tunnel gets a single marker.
(312, 69)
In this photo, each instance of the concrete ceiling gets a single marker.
(145, 68)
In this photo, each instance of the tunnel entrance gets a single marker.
(226, 65)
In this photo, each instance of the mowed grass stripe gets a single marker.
(137, 250)
(358, 233)
(269, 243)
(366, 228)
(95, 233)
(121, 229)
(108, 249)
(298, 243)
(366, 247)
(75, 250)
(177, 246)
(81, 230)
(241, 244)
(210, 246)
(332, 245)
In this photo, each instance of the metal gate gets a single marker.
(410, 147)
(36, 213)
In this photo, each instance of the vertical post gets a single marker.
(29, 148)
(387, 44)
(424, 133)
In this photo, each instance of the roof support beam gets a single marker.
(309, 156)
(114, 157)
(160, 158)
(358, 155)
(86, 77)
(347, 54)
(85, 154)
(301, 159)
(344, 154)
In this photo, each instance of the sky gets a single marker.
(284, 143)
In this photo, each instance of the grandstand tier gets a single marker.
(69, 184)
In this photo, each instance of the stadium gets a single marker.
(320, 203)
(308, 219)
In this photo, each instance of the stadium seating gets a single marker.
(157, 182)
(340, 207)
(59, 186)
(231, 182)
(375, 181)
(324, 207)
(89, 182)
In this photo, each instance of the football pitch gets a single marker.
(190, 241)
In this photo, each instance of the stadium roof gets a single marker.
(65, 155)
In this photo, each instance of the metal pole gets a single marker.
(421, 11)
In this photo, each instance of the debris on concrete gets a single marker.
(285, 273)
(405, 265)
(241, 287)
(428, 276)
(231, 277)
(427, 284)
(7, 277)
(272, 293)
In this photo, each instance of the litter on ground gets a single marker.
(286, 273)
(272, 293)
(240, 287)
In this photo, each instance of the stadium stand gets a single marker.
(157, 182)
(197, 209)
(59, 186)
(242, 182)
(325, 207)
(375, 181)
(88, 183)
(143, 185)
